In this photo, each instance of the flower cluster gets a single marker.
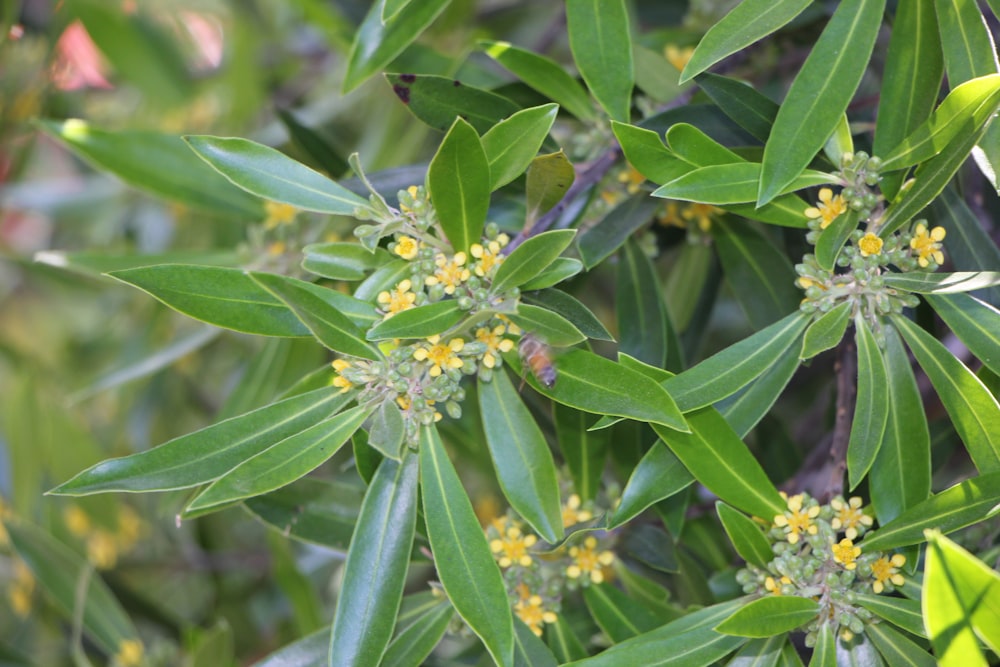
(815, 556)
(103, 545)
(537, 577)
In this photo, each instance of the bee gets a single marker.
(537, 356)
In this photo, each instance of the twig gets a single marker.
(847, 389)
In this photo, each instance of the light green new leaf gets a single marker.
(551, 327)
(749, 405)
(544, 75)
(601, 43)
(659, 474)
(901, 474)
(512, 144)
(751, 110)
(871, 410)
(387, 429)
(976, 323)
(825, 650)
(330, 327)
(458, 180)
(974, 411)
(826, 332)
(376, 42)
(820, 93)
(726, 372)
(207, 454)
(769, 616)
(342, 261)
(734, 183)
(961, 601)
(840, 142)
(646, 152)
(757, 271)
(963, 504)
(465, 566)
(271, 174)
(439, 100)
(531, 258)
(375, 570)
(943, 283)
(717, 458)
(161, 164)
(283, 462)
(521, 457)
(60, 572)
(968, 106)
(583, 451)
(411, 646)
(748, 22)
(832, 239)
(561, 268)
(619, 616)
(548, 179)
(640, 309)
(746, 536)
(896, 648)
(899, 611)
(420, 322)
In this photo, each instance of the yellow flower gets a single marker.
(845, 553)
(512, 547)
(277, 248)
(632, 179)
(677, 56)
(406, 247)
(928, 244)
(440, 355)
(77, 521)
(849, 517)
(21, 589)
(887, 570)
(702, 214)
(797, 521)
(450, 272)
(829, 207)
(102, 549)
(870, 244)
(488, 257)
(278, 214)
(130, 653)
(130, 528)
(397, 300)
(495, 343)
(774, 586)
(340, 365)
(572, 514)
(532, 611)
(671, 217)
(414, 192)
(512, 328)
(588, 561)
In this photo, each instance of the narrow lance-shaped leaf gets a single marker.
(750, 109)
(511, 144)
(462, 557)
(375, 571)
(659, 474)
(769, 616)
(521, 456)
(734, 183)
(970, 247)
(548, 180)
(896, 648)
(270, 174)
(826, 331)
(968, 47)
(975, 322)
(342, 261)
(313, 144)
(602, 49)
(584, 451)
(458, 180)
(639, 307)
(825, 650)
(420, 322)
(744, 409)
(943, 283)
(619, 616)
(901, 612)
(529, 650)
(531, 258)
(871, 410)
(645, 151)
(820, 93)
(411, 645)
(439, 100)
(832, 239)
(548, 325)
(746, 536)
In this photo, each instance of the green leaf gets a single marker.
(521, 456)
(820, 93)
(965, 40)
(825, 650)
(974, 411)
(871, 409)
(759, 652)
(639, 308)
(901, 612)
(569, 307)
(330, 327)
(759, 274)
(271, 174)
(832, 239)
(914, 66)
(746, 536)
(563, 640)
(717, 458)
(616, 614)
(310, 651)
(462, 557)
(73, 586)
(961, 601)
(209, 453)
(458, 180)
(549, 178)
(420, 322)
(901, 474)
(976, 323)
(512, 144)
(342, 261)
(377, 42)
(746, 23)
(583, 451)
(439, 100)
(414, 643)
(387, 429)
(529, 650)
(789, 656)
(594, 384)
(896, 649)
(283, 462)
(963, 504)
(659, 474)
(943, 283)
(544, 75)
(531, 258)
(840, 142)
(600, 241)
(312, 510)
(826, 331)
(562, 268)
(734, 183)
(375, 570)
(751, 110)
(749, 405)
(550, 327)
(160, 164)
(313, 145)
(769, 616)
(725, 372)
(970, 247)
(602, 49)
(968, 106)
(645, 151)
